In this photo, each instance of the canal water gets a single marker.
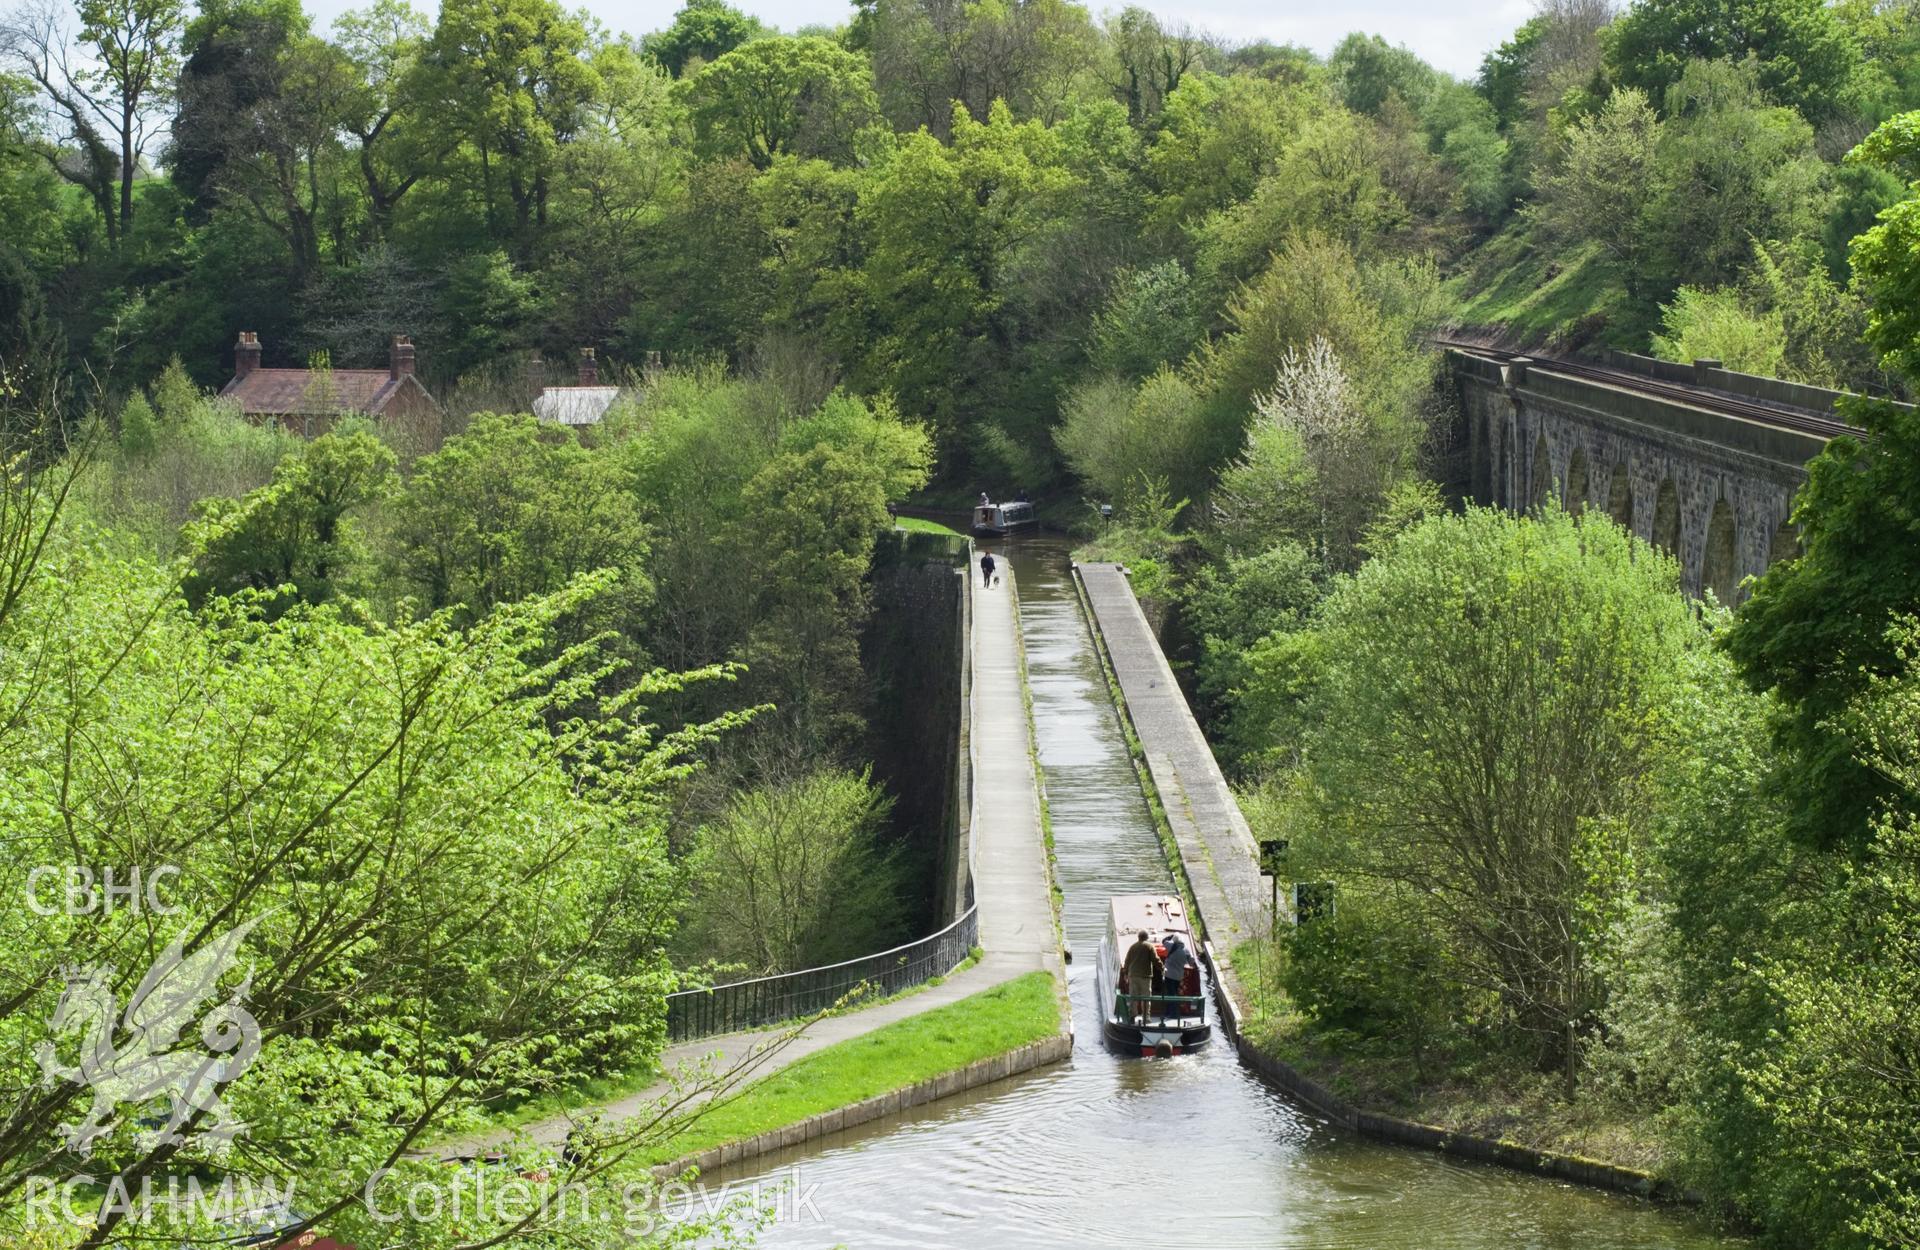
(1110, 1150)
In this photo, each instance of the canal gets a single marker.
(1110, 1150)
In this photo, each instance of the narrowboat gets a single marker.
(997, 520)
(1142, 1019)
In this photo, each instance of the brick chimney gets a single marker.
(589, 368)
(246, 354)
(402, 365)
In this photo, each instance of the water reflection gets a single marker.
(1111, 1150)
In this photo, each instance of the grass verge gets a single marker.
(920, 525)
(1012, 1014)
(613, 1088)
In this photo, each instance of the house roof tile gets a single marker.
(301, 391)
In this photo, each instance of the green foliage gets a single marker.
(1372, 973)
(1883, 256)
(809, 520)
(138, 435)
(795, 876)
(803, 96)
(1840, 1079)
(1150, 319)
(1602, 184)
(1815, 628)
(295, 531)
(762, 522)
(31, 349)
(1683, 200)
(514, 79)
(499, 298)
(31, 196)
(1505, 73)
(938, 291)
(1729, 169)
(1315, 288)
(1825, 321)
(1331, 178)
(930, 59)
(1112, 432)
(1233, 608)
(1141, 535)
(1366, 72)
(456, 894)
(1788, 1056)
(1317, 463)
(1861, 193)
(1478, 156)
(1718, 325)
(1215, 140)
(196, 448)
(511, 510)
(702, 31)
(1787, 318)
(1804, 57)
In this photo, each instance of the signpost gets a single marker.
(1273, 862)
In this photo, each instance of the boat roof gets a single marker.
(1158, 914)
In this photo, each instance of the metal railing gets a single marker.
(1122, 1001)
(790, 995)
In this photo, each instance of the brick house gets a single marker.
(307, 401)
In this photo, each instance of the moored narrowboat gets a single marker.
(1152, 1019)
(997, 520)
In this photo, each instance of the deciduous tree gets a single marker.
(803, 96)
(1473, 647)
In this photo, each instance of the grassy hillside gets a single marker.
(1544, 296)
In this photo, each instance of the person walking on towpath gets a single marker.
(986, 568)
(1142, 967)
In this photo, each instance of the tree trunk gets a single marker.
(126, 167)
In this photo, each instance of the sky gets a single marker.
(1452, 37)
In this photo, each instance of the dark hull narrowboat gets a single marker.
(1139, 1019)
(997, 520)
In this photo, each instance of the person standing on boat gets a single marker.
(986, 568)
(1174, 969)
(1142, 966)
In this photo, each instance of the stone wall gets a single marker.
(914, 653)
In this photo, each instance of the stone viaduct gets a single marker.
(1714, 488)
